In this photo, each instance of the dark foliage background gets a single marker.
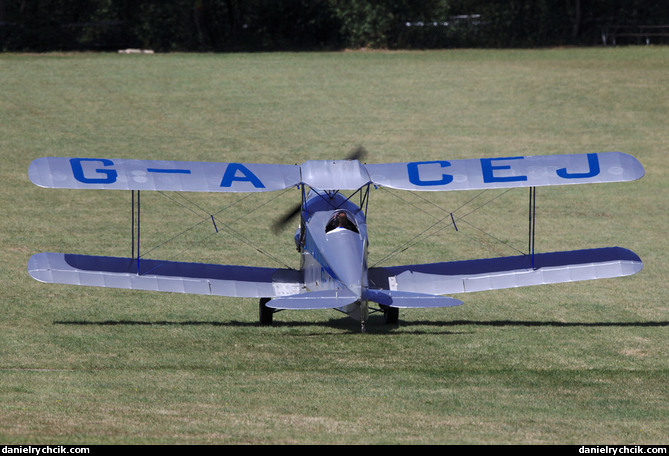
(255, 25)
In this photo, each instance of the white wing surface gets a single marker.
(507, 272)
(121, 174)
(436, 175)
(504, 172)
(155, 275)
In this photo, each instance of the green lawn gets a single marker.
(570, 363)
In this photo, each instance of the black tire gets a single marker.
(391, 315)
(266, 313)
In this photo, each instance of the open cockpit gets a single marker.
(341, 220)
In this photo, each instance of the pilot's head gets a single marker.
(341, 218)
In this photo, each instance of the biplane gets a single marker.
(332, 234)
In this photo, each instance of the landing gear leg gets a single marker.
(266, 313)
(364, 313)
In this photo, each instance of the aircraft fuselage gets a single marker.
(334, 254)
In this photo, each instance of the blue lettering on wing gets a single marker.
(168, 171)
(488, 170)
(415, 178)
(593, 163)
(236, 172)
(110, 175)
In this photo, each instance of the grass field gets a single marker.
(572, 363)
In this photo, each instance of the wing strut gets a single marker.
(532, 223)
(135, 216)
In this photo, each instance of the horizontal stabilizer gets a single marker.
(328, 299)
(156, 275)
(507, 272)
(408, 300)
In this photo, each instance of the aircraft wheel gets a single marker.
(266, 313)
(391, 315)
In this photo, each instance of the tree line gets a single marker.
(265, 25)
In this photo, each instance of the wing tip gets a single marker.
(633, 165)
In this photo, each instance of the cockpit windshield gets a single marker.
(341, 220)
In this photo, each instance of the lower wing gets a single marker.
(155, 275)
(507, 272)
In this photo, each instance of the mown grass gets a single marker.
(572, 363)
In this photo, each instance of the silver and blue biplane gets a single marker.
(332, 234)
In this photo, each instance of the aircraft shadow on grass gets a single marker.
(415, 327)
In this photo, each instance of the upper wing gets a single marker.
(120, 174)
(438, 175)
(155, 275)
(507, 272)
(504, 172)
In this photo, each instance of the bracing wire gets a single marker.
(425, 234)
(206, 217)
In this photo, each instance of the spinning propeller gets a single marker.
(358, 153)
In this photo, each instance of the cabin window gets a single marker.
(341, 219)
